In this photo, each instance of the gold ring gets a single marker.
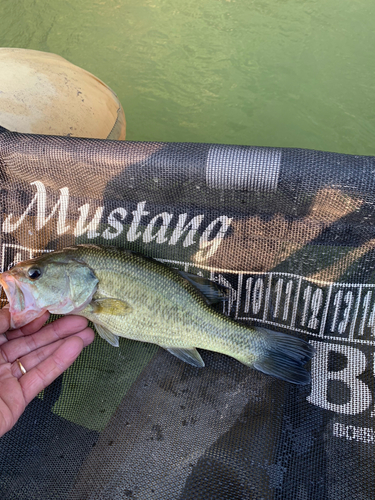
(22, 368)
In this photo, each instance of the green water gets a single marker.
(258, 72)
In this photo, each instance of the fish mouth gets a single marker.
(22, 304)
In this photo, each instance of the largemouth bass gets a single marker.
(127, 295)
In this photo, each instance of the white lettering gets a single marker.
(288, 296)
(337, 303)
(209, 247)
(181, 229)
(360, 395)
(159, 236)
(91, 227)
(349, 301)
(316, 304)
(352, 432)
(249, 283)
(307, 298)
(279, 288)
(184, 230)
(115, 223)
(258, 295)
(133, 233)
(40, 199)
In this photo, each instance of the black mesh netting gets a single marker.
(291, 233)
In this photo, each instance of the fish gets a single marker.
(125, 294)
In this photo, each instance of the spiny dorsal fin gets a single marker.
(190, 356)
(212, 292)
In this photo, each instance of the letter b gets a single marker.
(360, 394)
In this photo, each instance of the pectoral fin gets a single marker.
(95, 310)
(114, 307)
(190, 356)
(107, 335)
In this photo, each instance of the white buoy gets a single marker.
(43, 93)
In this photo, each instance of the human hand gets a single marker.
(43, 351)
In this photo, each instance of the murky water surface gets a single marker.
(257, 72)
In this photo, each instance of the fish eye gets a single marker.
(34, 273)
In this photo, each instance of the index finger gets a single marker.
(32, 327)
(48, 370)
(4, 320)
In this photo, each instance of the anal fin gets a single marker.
(190, 356)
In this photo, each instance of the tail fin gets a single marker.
(285, 357)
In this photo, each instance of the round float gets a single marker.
(43, 93)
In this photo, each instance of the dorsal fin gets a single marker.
(211, 291)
